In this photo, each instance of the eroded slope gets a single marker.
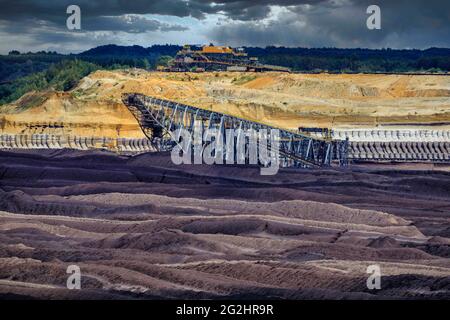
(142, 227)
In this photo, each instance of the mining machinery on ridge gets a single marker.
(217, 58)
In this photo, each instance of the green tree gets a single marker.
(164, 61)
(63, 75)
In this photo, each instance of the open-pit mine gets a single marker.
(385, 117)
(366, 182)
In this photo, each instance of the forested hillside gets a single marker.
(355, 60)
(62, 76)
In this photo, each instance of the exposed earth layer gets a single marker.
(94, 107)
(141, 227)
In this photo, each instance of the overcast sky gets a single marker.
(33, 25)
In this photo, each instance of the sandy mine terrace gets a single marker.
(94, 107)
(143, 228)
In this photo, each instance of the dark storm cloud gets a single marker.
(125, 23)
(55, 10)
(42, 24)
(405, 23)
(94, 12)
(251, 9)
(234, 9)
(128, 23)
(340, 23)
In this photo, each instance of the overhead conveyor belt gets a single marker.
(158, 117)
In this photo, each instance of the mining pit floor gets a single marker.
(143, 228)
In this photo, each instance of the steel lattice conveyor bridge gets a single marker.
(158, 118)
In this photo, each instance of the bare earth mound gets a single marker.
(141, 227)
(94, 107)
